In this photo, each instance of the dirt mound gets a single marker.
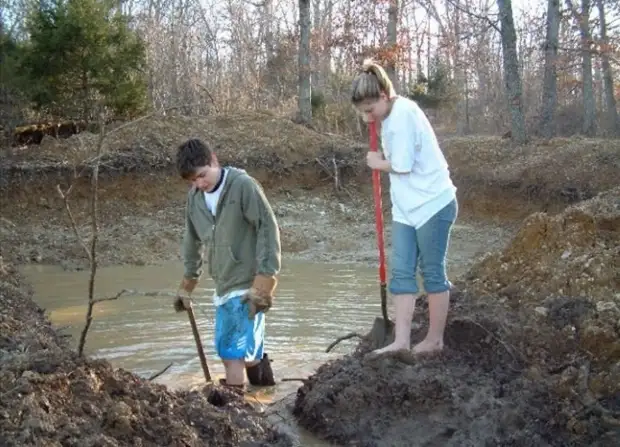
(499, 381)
(574, 253)
(257, 140)
(544, 173)
(49, 396)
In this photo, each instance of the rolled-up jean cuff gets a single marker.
(445, 287)
(428, 246)
(404, 290)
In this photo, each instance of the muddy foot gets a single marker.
(428, 347)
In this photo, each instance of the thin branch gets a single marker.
(157, 374)
(486, 19)
(94, 209)
(93, 244)
(343, 338)
(65, 198)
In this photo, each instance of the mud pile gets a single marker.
(49, 396)
(532, 351)
(573, 253)
(499, 381)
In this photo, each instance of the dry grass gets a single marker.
(236, 138)
(576, 168)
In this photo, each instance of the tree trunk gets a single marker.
(589, 101)
(512, 79)
(305, 90)
(550, 77)
(611, 111)
(392, 38)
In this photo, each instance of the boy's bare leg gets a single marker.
(235, 372)
(438, 304)
(404, 306)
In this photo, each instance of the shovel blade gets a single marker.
(382, 333)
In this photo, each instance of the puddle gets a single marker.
(315, 304)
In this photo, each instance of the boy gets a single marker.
(227, 212)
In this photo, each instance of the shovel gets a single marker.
(181, 304)
(381, 332)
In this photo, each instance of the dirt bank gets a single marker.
(499, 179)
(538, 364)
(575, 253)
(49, 396)
(141, 197)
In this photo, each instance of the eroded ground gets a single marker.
(49, 396)
(532, 352)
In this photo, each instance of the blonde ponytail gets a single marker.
(370, 83)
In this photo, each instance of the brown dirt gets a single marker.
(497, 178)
(532, 351)
(503, 379)
(49, 396)
(575, 253)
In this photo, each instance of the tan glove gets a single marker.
(180, 303)
(260, 295)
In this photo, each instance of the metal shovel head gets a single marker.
(382, 333)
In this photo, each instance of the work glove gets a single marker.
(260, 295)
(187, 284)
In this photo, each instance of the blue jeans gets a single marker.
(429, 245)
(236, 336)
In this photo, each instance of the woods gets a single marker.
(544, 68)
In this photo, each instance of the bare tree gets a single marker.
(611, 110)
(305, 88)
(589, 101)
(512, 78)
(550, 78)
(392, 40)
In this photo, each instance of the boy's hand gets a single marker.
(188, 284)
(260, 295)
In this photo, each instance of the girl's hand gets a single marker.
(375, 160)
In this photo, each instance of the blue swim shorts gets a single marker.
(236, 336)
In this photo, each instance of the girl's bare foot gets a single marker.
(392, 347)
(428, 346)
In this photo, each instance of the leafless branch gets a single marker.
(343, 338)
(65, 198)
(157, 374)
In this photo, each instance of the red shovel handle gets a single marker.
(376, 186)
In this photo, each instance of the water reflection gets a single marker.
(315, 304)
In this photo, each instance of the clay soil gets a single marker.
(51, 397)
(532, 351)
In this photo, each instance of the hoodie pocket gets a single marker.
(234, 258)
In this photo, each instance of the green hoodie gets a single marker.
(242, 240)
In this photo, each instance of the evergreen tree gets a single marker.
(82, 53)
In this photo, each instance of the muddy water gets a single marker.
(316, 303)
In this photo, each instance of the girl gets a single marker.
(424, 205)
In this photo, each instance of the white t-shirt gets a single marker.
(421, 185)
(211, 198)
